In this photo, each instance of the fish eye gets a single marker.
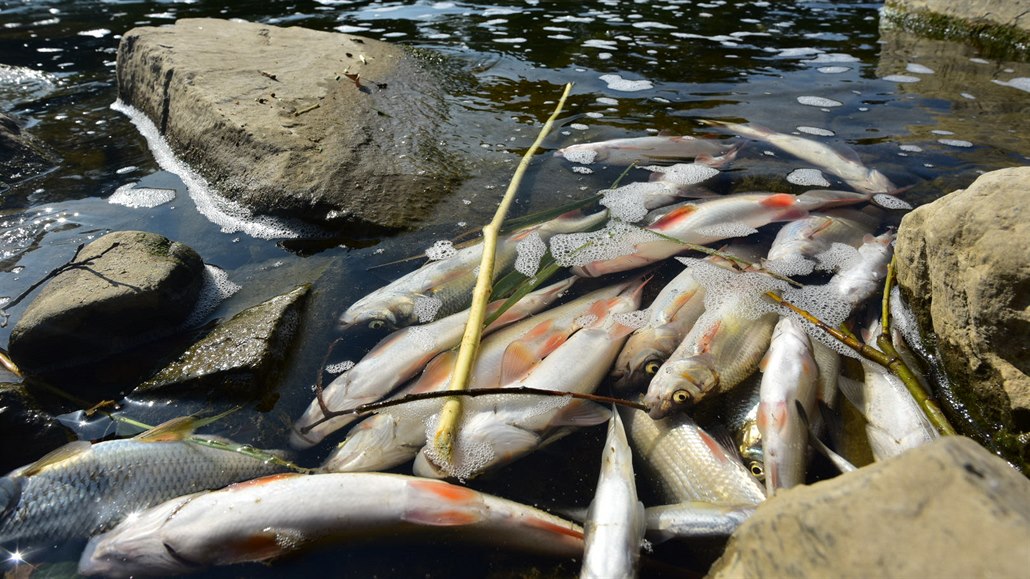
(651, 368)
(757, 469)
(680, 396)
(376, 324)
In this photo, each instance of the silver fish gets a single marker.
(737, 410)
(865, 275)
(687, 463)
(269, 517)
(844, 163)
(399, 357)
(449, 281)
(614, 528)
(643, 149)
(797, 244)
(81, 488)
(789, 375)
(695, 520)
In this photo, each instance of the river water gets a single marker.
(931, 115)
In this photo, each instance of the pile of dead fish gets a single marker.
(735, 386)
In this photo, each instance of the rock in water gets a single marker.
(240, 358)
(324, 127)
(964, 265)
(947, 509)
(132, 287)
(21, 156)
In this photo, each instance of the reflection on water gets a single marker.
(931, 115)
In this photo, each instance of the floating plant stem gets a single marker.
(447, 427)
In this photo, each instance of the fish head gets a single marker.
(379, 311)
(642, 357)
(749, 446)
(877, 182)
(679, 385)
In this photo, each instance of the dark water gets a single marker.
(953, 119)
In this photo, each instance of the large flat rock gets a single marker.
(324, 127)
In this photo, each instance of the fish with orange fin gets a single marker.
(266, 518)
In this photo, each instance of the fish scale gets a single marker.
(58, 502)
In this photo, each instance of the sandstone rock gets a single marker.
(240, 358)
(130, 287)
(1015, 13)
(1000, 26)
(296, 123)
(964, 265)
(947, 509)
(27, 430)
(20, 156)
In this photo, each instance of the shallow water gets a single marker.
(931, 115)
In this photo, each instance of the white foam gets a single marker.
(815, 131)
(955, 143)
(727, 230)
(582, 170)
(838, 257)
(918, 68)
(815, 101)
(216, 289)
(790, 265)
(511, 40)
(530, 250)
(902, 78)
(424, 338)
(1022, 83)
(602, 44)
(828, 57)
(684, 173)
(615, 240)
(441, 249)
(143, 197)
(581, 154)
(95, 33)
(230, 216)
(833, 69)
(616, 82)
(741, 292)
(808, 178)
(339, 367)
(426, 307)
(630, 202)
(890, 202)
(911, 148)
(634, 320)
(648, 24)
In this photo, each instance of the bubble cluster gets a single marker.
(630, 202)
(136, 198)
(634, 320)
(815, 131)
(840, 256)
(339, 367)
(426, 308)
(814, 101)
(616, 82)
(442, 249)
(790, 265)
(955, 143)
(684, 173)
(581, 154)
(808, 178)
(726, 230)
(615, 240)
(529, 252)
(918, 68)
(424, 338)
(216, 289)
(730, 290)
(890, 202)
(902, 78)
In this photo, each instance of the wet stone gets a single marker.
(26, 430)
(21, 157)
(240, 359)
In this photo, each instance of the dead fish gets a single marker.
(695, 520)
(643, 149)
(266, 518)
(81, 489)
(843, 163)
(614, 528)
(799, 242)
(399, 357)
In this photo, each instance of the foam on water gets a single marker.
(684, 173)
(442, 249)
(838, 257)
(616, 82)
(144, 197)
(918, 68)
(819, 301)
(95, 33)
(629, 202)
(1022, 83)
(424, 338)
(339, 367)
(808, 178)
(911, 148)
(426, 307)
(743, 292)
(832, 57)
(815, 131)
(815, 101)
(582, 170)
(890, 202)
(634, 320)
(903, 78)
(955, 143)
(216, 289)
(615, 240)
(227, 214)
(790, 265)
(727, 230)
(833, 69)
(580, 154)
(529, 252)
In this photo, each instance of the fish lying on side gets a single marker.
(843, 164)
(695, 520)
(266, 518)
(614, 528)
(391, 438)
(737, 410)
(687, 463)
(399, 357)
(790, 375)
(499, 429)
(81, 489)
(644, 149)
(798, 243)
(449, 282)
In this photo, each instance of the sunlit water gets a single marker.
(930, 115)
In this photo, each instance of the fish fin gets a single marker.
(581, 413)
(717, 449)
(704, 342)
(853, 391)
(517, 361)
(721, 434)
(55, 456)
(179, 428)
(838, 461)
(568, 529)
(673, 216)
(436, 372)
(441, 504)
(779, 200)
(266, 544)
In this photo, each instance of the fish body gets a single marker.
(265, 518)
(82, 489)
(695, 520)
(392, 438)
(449, 282)
(790, 375)
(804, 239)
(737, 410)
(688, 463)
(643, 149)
(397, 358)
(845, 165)
(865, 275)
(496, 431)
(614, 528)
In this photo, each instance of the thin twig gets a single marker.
(451, 411)
(318, 381)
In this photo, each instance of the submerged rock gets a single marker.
(964, 265)
(27, 430)
(1001, 26)
(325, 127)
(947, 509)
(21, 157)
(240, 358)
(128, 288)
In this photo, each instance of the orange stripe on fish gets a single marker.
(779, 200)
(262, 480)
(446, 491)
(555, 528)
(674, 216)
(713, 445)
(257, 547)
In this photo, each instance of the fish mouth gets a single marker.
(659, 410)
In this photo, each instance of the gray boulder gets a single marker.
(964, 265)
(21, 156)
(240, 359)
(323, 127)
(947, 509)
(128, 288)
